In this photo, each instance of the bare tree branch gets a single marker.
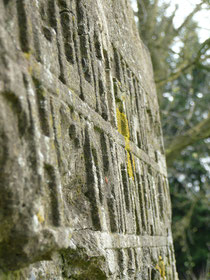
(193, 135)
(189, 17)
(174, 75)
(184, 67)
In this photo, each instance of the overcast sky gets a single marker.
(185, 7)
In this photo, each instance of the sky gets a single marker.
(202, 17)
(185, 7)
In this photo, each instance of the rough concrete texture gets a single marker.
(83, 187)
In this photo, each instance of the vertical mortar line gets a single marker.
(114, 189)
(160, 196)
(23, 24)
(147, 168)
(34, 158)
(82, 23)
(166, 203)
(36, 39)
(125, 187)
(97, 189)
(66, 22)
(120, 198)
(146, 198)
(154, 195)
(117, 64)
(56, 140)
(95, 71)
(77, 48)
(53, 15)
(168, 197)
(140, 109)
(141, 205)
(52, 185)
(137, 206)
(91, 180)
(148, 171)
(143, 118)
(133, 203)
(122, 202)
(153, 199)
(42, 102)
(55, 174)
(103, 96)
(36, 162)
(110, 90)
(95, 157)
(131, 263)
(137, 99)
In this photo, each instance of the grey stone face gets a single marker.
(83, 183)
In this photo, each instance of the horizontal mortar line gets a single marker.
(72, 99)
(134, 241)
(99, 122)
(107, 240)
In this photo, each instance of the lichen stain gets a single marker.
(123, 128)
(161, 268)
(40, 217)
(27, 55)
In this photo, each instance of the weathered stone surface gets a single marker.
(83, 186)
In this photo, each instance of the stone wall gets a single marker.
(83, 183)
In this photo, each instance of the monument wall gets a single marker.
(83, 182)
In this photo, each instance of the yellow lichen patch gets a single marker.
(27, 55)
(123, 128)
(52, 145)
(127, 144)
(118, 120)
(57, 91)
(40, 217)
(122, 124)
(133, 162)
(59, 131)
(161, 268)
(30, 69)
(129, 166)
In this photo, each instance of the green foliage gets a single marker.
(189, 183)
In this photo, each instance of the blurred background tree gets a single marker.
(182, 80)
